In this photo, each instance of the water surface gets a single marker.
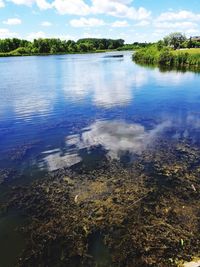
(76, 110)
(56, 110)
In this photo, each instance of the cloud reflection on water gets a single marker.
(57, 161)
(115, 137)
(110, 84)
(40, 85)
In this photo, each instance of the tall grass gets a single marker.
(166, 57)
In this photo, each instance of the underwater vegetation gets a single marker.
(145, 214)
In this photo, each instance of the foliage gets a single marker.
(175, 39)
(101, 43)
(7, 45)
(134, 46)
(163, 54)
(167, 57)
(16, 46)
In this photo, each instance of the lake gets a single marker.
(76, 111)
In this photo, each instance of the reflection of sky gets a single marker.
(24, 88)
(45, 99)
(173, 78)
(38, 85)
(107, 84)
(57, 161)
(115, 137)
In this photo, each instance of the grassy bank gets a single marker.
(168, 57)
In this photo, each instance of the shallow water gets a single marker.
(76, 110)
(11, 241)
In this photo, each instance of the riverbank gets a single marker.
(168, 57)
(151, 205)
(17, 54)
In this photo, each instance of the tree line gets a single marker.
(54, 46)
(17, 47)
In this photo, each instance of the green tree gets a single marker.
(175, 39)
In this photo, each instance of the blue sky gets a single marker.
(137, 20)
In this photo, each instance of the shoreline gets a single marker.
(59, 54)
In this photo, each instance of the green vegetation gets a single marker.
(175, 40)
(134, 46)
(165, 53)
(17, 47)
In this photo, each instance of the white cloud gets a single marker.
(23, 2)
(180, 15)
(90, 22)
(143, 23)
(5, 33)
(175, 25)
(36, 35)
(2, 3)
(46, 24)
(12, 21)
(116, 8)
(119, 8)
(183, 20)
(75, 7)
(120, 23)
(42, 4)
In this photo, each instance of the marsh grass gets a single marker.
(168, 57)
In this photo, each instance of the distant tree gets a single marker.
(175, 39)
(42, 45)
(82, 47)
(72, 47)
(100, 46)
(54, 46)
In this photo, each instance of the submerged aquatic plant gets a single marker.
(147, 212)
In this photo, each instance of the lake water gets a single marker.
(75, 110)
(56, 111)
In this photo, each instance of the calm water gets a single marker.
(60, 111)
(56, 111)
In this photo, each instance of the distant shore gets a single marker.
(10, 54)
(45, 47)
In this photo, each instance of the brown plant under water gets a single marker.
(147, 213)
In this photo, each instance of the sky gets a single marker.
(131, 20)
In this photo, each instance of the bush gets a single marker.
(166, 57)
(21, 51)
